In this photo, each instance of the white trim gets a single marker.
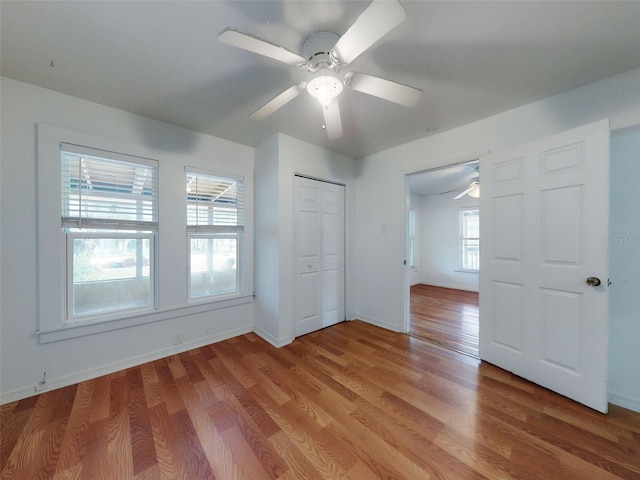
(92, 373)
(171, 296)
(624, 401)
(266, 336)
(107, 154)
(446, 285)
(379, 323)
(214, 173)
(74, 330)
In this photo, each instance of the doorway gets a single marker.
(443, 256)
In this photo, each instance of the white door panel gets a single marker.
(544, 217)
(319, 225)
(308, 258)
(309, 229)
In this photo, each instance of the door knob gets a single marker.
(593, 281)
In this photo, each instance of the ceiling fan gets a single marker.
(472, 189)
(324, 54)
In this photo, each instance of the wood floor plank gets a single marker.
(169, 460)
(94, 462)
(352, 401)
(119, 454)
(257, 440)
(75, 440)
(446, 316)
(142, 444)
(73, 473)
(299, 465)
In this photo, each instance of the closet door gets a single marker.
(319, 254)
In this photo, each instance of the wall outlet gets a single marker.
(178, 338)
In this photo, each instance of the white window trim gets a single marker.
(461, 238)
(81, 224)
(204, 231)
(50, 238)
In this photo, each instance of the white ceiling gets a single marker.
(450, 180)
(162, 59)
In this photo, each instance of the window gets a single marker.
(469, 239)
(109, 219)
(215, 224)
(412, 238)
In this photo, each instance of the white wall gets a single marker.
(624, 258)
(380, 220)
(267, 245)
(23, 358)
(376, 241)
(277, 161)
(440, 243)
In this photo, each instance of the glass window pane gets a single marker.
(213, 265)
(471, 254)
(110, 274)
(470, 239)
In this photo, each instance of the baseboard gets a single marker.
(453, 287)
(65, 381)
(624, 401)
(267, 337)
(379, 323)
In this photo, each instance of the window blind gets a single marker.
(214, 204)
(106, 190)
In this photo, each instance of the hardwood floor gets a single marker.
(445, 316)
(349, 402)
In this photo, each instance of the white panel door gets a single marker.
(544, 222)
(319, 230)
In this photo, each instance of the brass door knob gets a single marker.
(593, 281)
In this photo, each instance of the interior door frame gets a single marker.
(405, 326)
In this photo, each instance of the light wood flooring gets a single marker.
(349, 402)
(445, 316)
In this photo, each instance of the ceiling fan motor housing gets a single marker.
(316, 49)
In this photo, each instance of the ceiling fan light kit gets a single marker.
(475, 191)
(327, 53)
(324, 88)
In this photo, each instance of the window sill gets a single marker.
(82, 329)
(461, 270)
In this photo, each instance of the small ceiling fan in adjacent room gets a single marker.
(472, 189)
(324, 54)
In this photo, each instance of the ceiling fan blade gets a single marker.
(454, 190)
(379, 18)
(257, 45)
(277, 102)
(467, 190)
(332, 120)
(379, 87)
